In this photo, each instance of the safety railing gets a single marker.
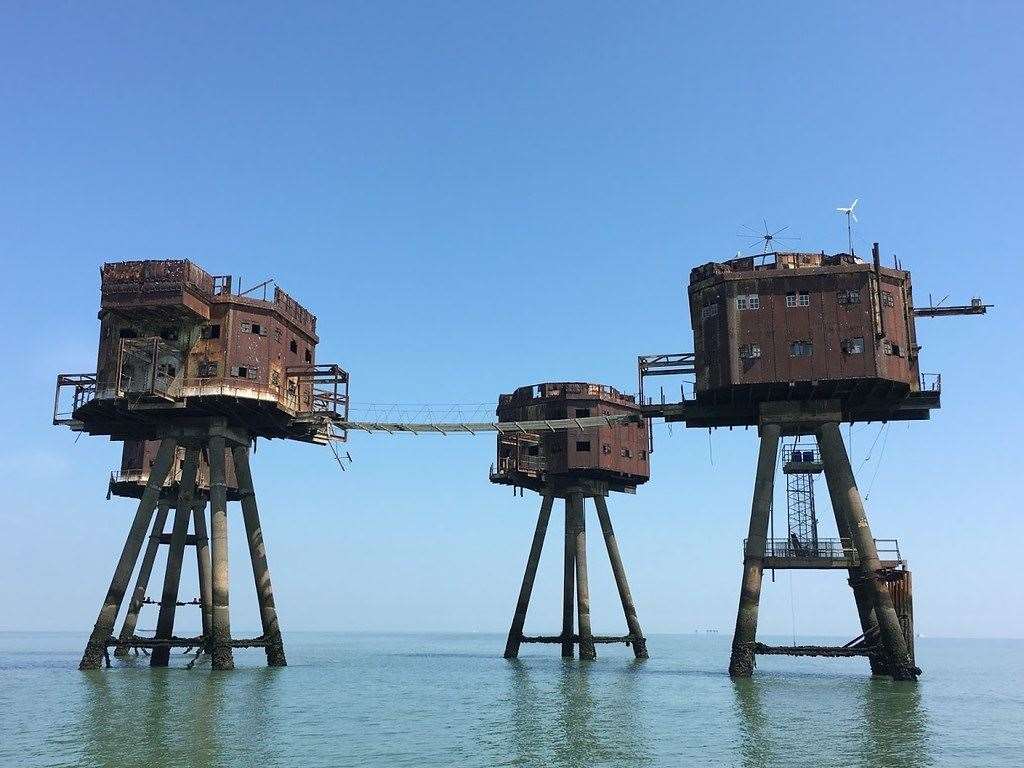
(73, 391)
(826, 549)
(931, 382)
(329, 384)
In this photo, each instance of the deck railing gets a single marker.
(826, 549)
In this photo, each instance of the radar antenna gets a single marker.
(767, 238)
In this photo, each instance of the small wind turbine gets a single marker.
(766, 238)
(850, 218)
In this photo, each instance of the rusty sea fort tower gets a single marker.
(796, 344)
(191, 372)
(203, 371)
(573, 464)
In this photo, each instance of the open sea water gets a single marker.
(451, 700)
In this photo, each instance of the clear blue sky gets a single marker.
(473, 199)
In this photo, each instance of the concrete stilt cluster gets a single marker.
(885, 642)
(576, 625)
(189, 505)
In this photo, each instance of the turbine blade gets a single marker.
(854, 203)
(854, 215)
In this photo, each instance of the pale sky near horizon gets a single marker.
(472, 198)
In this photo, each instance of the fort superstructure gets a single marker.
(202, 370)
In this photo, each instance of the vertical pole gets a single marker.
(741, 663)
(220, 624)
(96, 647)
(175, 554)
(861, 592)
(837, 463)
(568, 585)
(258, 555)
(131, 619)
(203, 562)
(587, 650)
(515, 633)
(625, 596)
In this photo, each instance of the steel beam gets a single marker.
(515, 632)
(96, 646)
(741, 663)
(258, 555)
(625, 596)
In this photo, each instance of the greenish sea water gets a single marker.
(451, 700)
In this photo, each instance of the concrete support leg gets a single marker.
(131, 619)
(628, 607)
(220, 630)
(515, 632)
(861, 593)
(568, 585)
(586, 640)
(258, 555)
(741, 663)
(839, 471)
(175, 556)
(203, 563)
(96, 647)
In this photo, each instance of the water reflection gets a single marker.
(565, 717)
(896, 726)
(757, 747)
(872, 723)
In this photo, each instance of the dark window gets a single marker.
(887, 299)
(849, 297)
(211, 331)
(207, 370)
(583, 446)
(169, 334)
(896, 350)
(246, 327)
(167, 370)
(128, 333)
(275, 378)
(627, 454)
(277, 334)
(533, 450)
(582, 413)
(606, 449)
(309, 356)
(801, 349)
(294, 347)
(643, 455)
(854, 346)
(257, 329)
(240, 372)
(750, 351)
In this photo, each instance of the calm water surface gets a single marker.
(426, 700)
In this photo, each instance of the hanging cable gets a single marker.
(878, 464)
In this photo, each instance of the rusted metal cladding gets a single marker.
(801, 318)
(616, 454)
(170, 333)
(137, 456)
(900, 586)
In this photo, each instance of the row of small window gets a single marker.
(793, 299)
(854, 346)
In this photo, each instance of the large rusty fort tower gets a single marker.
(185, 361)
(573, 464)
(797, 344)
